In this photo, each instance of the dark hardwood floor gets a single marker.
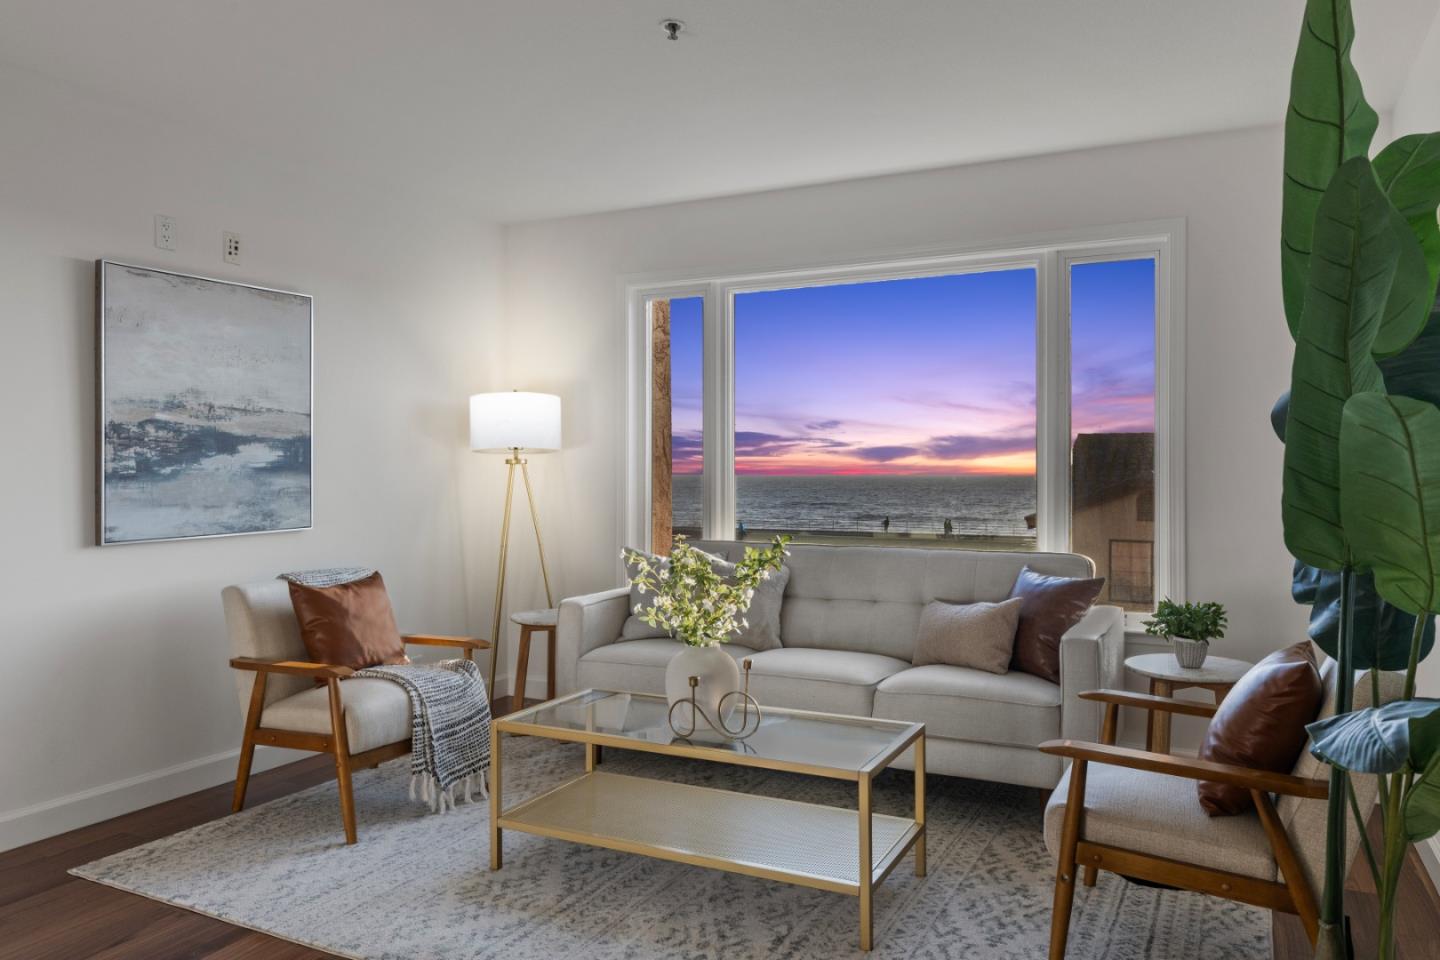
(46, 914)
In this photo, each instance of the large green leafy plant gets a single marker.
(1360, 247)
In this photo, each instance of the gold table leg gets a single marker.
(867, 869)
(496, 853)
(920, 805)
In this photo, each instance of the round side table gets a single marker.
(532, 622)
(1216, 674)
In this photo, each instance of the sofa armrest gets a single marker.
(585, 623)
(1092, 655)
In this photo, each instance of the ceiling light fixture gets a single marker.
(672, 28)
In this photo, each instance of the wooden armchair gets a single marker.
(285, 707)
(1136, 814)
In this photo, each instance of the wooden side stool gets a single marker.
(531, 622)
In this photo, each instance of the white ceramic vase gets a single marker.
(718, 674)
(1190, 654)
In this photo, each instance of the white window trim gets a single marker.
(1050, 255)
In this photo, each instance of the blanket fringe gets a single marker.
(441, 800)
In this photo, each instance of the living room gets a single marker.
(980, 312)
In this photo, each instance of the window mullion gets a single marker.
(719, 414)
(1052, 406)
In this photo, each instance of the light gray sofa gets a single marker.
(848, 626)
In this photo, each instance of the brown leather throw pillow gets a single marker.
(1261, 723)
(348, 625)
(1051, 606)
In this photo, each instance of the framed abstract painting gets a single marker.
(205, 397)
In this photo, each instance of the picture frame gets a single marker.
(204, 407)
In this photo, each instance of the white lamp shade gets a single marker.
(500, 422)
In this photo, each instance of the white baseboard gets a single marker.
(50, 817)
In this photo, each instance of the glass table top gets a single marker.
(830, 741)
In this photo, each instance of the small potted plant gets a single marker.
(1190, 626)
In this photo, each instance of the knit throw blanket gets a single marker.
(449, 729)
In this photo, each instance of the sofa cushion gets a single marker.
(1157, 814)
(1052, 606)
(979, 635)
(960, 703)
(830, 681)
(377, 712)
(868, 599)
(637, 666)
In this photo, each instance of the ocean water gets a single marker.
(975, 505)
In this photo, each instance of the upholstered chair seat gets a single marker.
(1158, 814)
(377, 712)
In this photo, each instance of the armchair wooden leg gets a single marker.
(1092, 873)
(341, 741)
(1290, 869)
(1065, 870)
(247, 746)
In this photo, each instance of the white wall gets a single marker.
(115, 691)
(561, 294)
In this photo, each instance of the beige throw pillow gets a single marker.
(978, 635)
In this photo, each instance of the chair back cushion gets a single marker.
(1304, 820)
(261, 623)
(1261, 723)
(868, 599)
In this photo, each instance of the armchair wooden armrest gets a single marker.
(295, 668)
(1148, 701)
(1192, 768)
(440, 640)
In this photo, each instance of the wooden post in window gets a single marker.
(661, 504)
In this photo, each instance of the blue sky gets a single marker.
(930, 375)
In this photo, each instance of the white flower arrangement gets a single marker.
(692, 601)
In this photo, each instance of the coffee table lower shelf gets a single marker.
(786, 840)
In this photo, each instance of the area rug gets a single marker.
(418, 885)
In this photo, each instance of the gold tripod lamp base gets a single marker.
(511, 462)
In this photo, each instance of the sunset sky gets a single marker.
(933, 375)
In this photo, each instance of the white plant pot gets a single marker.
(1190, 654)
(718, 675)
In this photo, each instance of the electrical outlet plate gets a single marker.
(230, 246)
(164, 232)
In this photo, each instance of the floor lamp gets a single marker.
(514, 423)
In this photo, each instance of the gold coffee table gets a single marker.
(830, 848)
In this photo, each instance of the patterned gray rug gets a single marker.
(418, 885)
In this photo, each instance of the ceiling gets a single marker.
(521, 109)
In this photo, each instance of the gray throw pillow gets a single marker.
(763, 617)
(635, 628)
(976, 635)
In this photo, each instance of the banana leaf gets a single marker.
(1328, 123)
(1381, 631)
(1409, 173)
(1390, 495)
(1421, 808)
(1378, 739)
(1349, 282)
